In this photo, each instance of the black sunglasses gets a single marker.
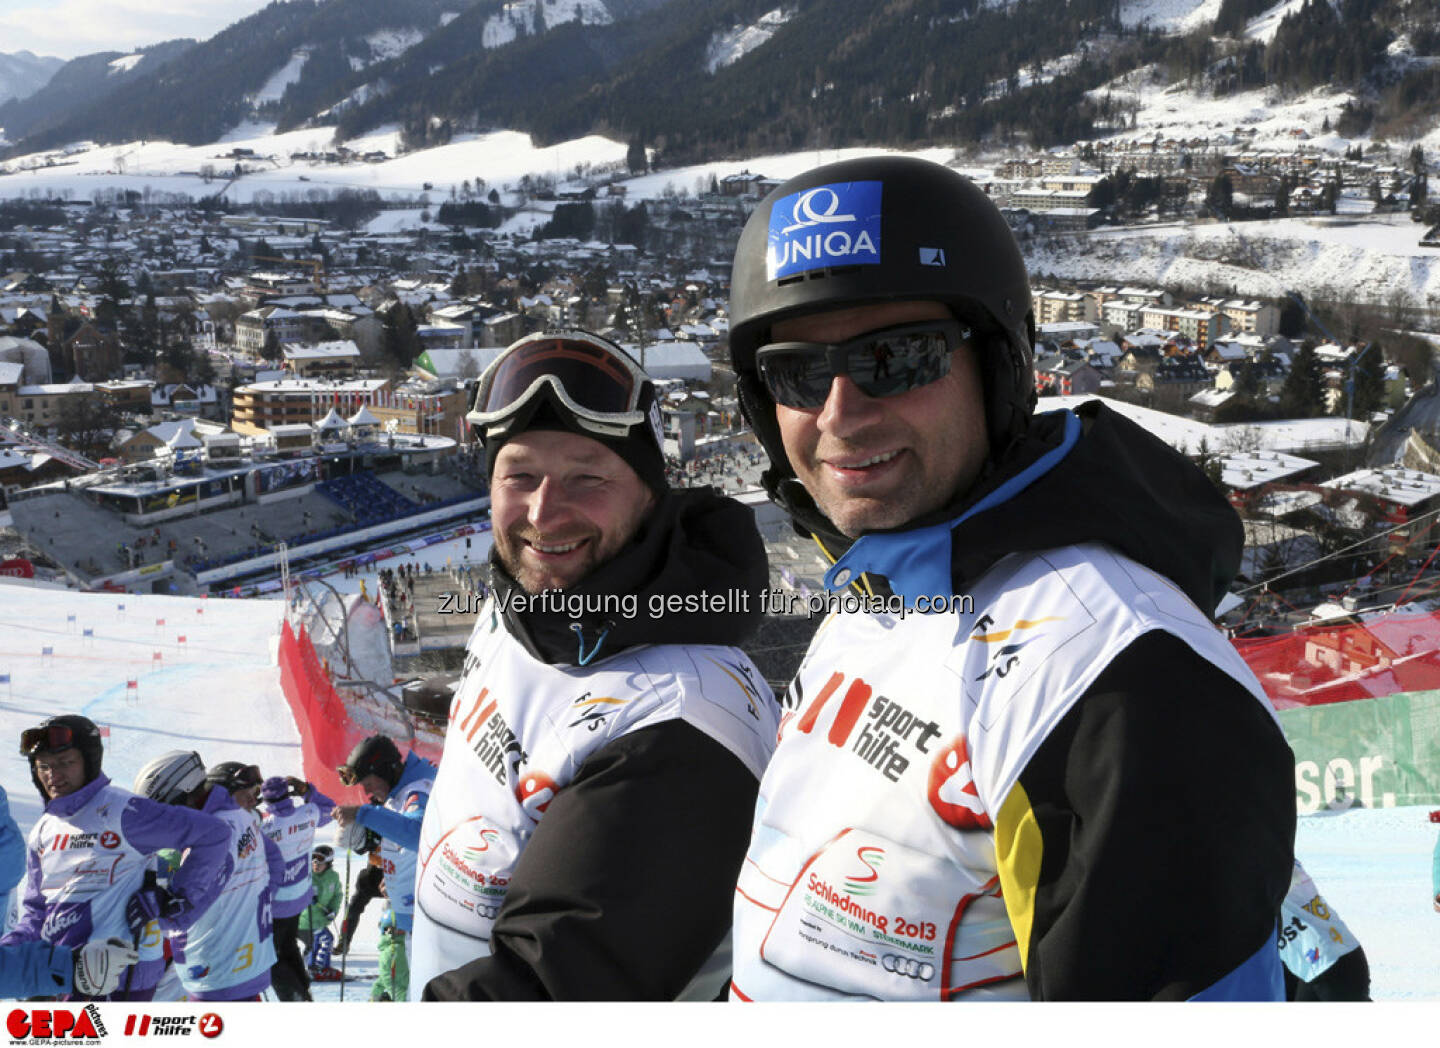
(882, 363)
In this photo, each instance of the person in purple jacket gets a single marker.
(227, 954)
(293, 810)
(34, 969)
(87, 854)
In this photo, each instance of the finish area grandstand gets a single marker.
(196, 523)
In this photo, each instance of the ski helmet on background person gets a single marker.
(275, 788)
(577, 382)
(234, 775)
(885, 229)
(324, 853)
(375, 755)
(171, 776)
(69, 730)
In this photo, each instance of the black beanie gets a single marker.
(640, 448)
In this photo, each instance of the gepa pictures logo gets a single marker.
(54, 1024)
(829, 225)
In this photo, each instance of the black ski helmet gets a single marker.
(233, 775)
(375, 755)
(62, 733)
(324, 853)
(885, 229)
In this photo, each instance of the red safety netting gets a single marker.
(327, 731)
(1383, 655)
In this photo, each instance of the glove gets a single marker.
(298, 787)
(150, 904)
(99, 965)
(356, 838)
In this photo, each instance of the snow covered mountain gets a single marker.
(693, 82)
(22, 74)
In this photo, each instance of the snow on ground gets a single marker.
(1276, 121)
(1172, 15)
(219, 693)
(125, 64)
(1367, 257)
(389, 43)
(738, 41)
(520, 17)
(1373, 867)
(1186, 435)
(274, 88)
(778, 165)
(1262, 27)
(500, 158)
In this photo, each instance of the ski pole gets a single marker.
(147, 884)
(345, 908)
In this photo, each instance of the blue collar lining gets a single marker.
(917, 562)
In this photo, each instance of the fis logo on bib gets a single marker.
(831, 225)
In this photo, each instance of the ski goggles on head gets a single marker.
(243, 778)
(348, 775)
(883, 363)
(47, 739)
(596, 381)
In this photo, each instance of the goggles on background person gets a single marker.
(883, 363)
(47, 739)
(243, 777)
(593, 379)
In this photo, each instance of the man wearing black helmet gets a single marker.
(87, 854)
(1019, 693)
(605, 743)
(240, 780)
(398, 788)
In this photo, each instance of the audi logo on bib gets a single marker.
(952, 791)
(907, 966)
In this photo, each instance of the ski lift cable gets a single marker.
(1330, 556)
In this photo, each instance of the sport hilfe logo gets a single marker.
(144, 1025)
(830, 225)
(55, 1024)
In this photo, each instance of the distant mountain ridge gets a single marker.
(694, 79)
(23, 73)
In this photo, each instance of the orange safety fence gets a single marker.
(1380, 655)
(327, 731)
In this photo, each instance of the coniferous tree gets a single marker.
(1303, 394)
(1369, 378)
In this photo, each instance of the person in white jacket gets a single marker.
(604, 745)
(1002, 757)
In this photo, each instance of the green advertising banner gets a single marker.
(1375, 753)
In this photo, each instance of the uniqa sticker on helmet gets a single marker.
(831, 225)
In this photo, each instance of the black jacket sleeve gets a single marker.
(1165, 805)
(628, 883)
